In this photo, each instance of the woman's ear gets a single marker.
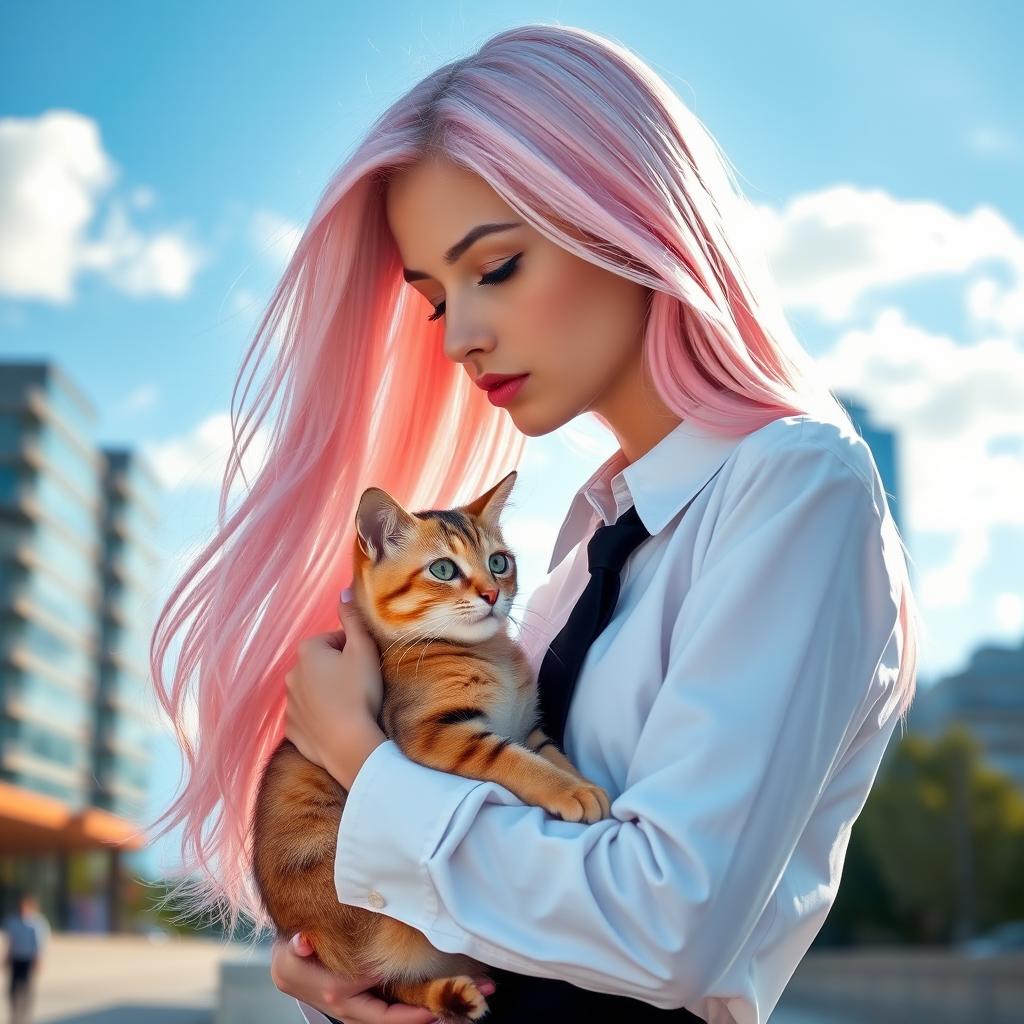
(381, 523)
(489, 505)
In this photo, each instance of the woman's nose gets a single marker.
(464, 338)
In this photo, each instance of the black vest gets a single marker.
(521, 999)
(524, 1000)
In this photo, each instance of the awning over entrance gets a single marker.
(35, 823)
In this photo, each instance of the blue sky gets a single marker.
(882, 142)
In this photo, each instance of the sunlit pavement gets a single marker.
(99, 979)
(94, 979)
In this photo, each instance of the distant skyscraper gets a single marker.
(50, 508)
(987, 698)
(883, 447)
(128, 567)
(76, 582)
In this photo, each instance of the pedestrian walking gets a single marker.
(27, 933)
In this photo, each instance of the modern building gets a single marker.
(884, 448)
(987, 698)
(130, 519)
(76, 576)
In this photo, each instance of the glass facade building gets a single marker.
(127, 572)
(50, 515)
(77, 575)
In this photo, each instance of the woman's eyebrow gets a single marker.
(474, 235)
(460, 247)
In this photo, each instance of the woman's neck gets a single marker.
(635, 412)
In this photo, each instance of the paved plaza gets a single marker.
(122, 979)
(127, 979)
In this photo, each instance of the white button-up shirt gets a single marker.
(736, 709)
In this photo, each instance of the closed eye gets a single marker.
(496, 276)
(502, 273)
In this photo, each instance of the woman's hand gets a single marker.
(335, 693)
(345, 999)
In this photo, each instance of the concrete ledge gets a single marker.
(247, 994)
(903, 986)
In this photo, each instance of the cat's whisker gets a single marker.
(530, 628)
(524, 606)
(399, 640)
(426, 647)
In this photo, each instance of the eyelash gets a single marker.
(496, 276)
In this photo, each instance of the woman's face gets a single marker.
(547, 334)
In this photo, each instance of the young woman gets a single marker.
(538, 231)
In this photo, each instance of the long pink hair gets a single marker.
(589, 146)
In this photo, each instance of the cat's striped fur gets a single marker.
(459, 696)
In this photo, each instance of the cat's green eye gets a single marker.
(498, 563)
(444, 569)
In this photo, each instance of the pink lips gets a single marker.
(501, 388)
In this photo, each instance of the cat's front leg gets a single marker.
(471, 750)
(540, 743)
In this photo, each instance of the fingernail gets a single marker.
(346, 595)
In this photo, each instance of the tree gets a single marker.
(938, 851)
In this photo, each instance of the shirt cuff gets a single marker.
(396, 815)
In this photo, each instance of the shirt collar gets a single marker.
(659, 484)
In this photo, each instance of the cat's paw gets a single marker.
(581, 802)
(460, 1000)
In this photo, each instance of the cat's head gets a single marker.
(445, 574)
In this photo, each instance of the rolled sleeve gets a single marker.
(395, 816)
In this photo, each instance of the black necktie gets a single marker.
(607, 553)
(521, 999)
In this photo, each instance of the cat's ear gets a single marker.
(381, 523)
(489, 505)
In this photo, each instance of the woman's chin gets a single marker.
(535, 422)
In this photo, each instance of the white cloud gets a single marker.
(54, 175)
(54, 167)
(829, 248)
(274, 235)
(1008, 609)
(162, 264)
(991, 302)
(199, 457)
(959, 410)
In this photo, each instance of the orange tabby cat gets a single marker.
(434, 589)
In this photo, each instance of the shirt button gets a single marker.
(375, 900)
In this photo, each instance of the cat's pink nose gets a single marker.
(490, 596)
